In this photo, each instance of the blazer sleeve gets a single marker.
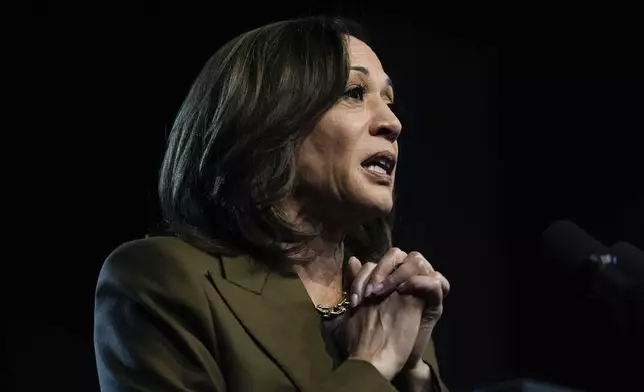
(429, 356)
(152, 325)
(356, 376)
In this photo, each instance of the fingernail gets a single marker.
(378, 288)
(353, 302)
(368, 290)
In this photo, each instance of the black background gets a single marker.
(513, 117)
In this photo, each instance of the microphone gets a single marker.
(631, 260)
(582, 254)
(615, 273)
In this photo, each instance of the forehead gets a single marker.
(361, 54)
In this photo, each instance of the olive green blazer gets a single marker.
(170, 317)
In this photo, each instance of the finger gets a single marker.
(385, 267)
(433, 273)
(445, 286)
(358, 285)
(353, 268)
(398, 277)
(428, 287)
(425, 267)
(413, 264)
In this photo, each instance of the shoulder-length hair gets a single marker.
(232, 150)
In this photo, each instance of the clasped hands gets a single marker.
(403, 295)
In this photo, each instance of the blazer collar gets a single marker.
(277, 311)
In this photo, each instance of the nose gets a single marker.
(386, 124)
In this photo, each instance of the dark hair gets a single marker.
(232, 150)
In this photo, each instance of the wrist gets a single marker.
(383, 367)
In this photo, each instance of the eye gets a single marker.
(356, 92)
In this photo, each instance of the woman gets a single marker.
(280, 165)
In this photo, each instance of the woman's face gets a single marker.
(348, 162)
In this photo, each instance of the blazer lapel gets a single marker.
(277, 311)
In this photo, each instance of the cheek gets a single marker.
(331, 172)
(315, 162)
(329, 155)
(308, 166)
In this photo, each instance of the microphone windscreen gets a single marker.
(569, 244)
(630, 259)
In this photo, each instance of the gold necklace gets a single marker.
(328, 312)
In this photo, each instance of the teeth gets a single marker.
(376, 169)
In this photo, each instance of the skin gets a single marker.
(404, 273)
(334, 187)
(359, 125)
(336, 191)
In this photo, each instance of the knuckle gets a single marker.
(398, 252)
(421, 266)
(436, 285)
(403, 272)
(367, 272)
(379, 276)
(437, 311)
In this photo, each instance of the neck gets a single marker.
(322, 276)
(322, 272)
(326, 265)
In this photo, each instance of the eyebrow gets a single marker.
(365, 71)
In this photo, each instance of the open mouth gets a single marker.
(382, 163)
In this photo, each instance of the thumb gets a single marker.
(353, 268)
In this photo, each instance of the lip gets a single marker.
(391, 156)
(381, 179)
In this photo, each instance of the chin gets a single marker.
(375, 195)
(384, 208)
(381, 199)
(372, 208)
